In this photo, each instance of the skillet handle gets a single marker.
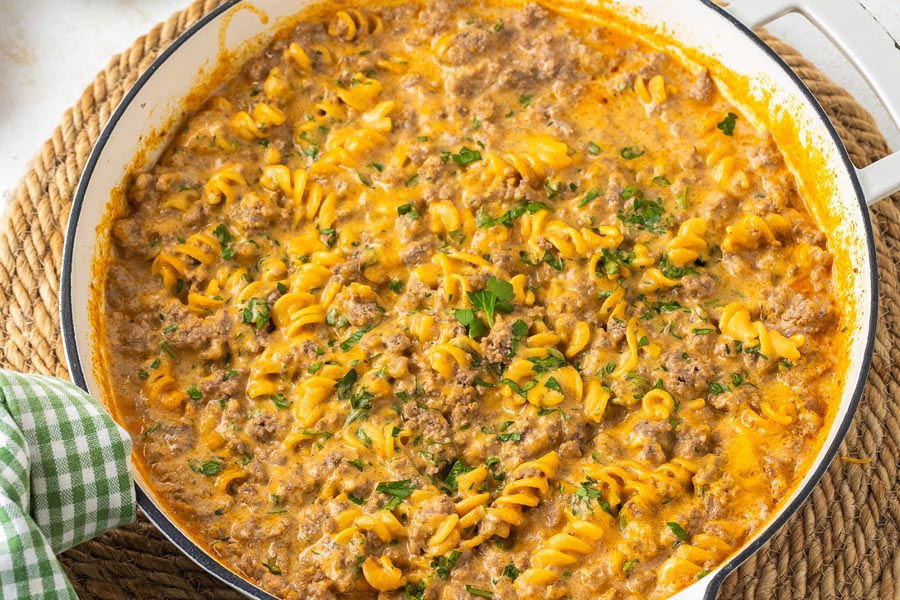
(870, 49)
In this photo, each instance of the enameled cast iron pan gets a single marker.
(722, 34)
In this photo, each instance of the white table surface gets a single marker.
(50, 50)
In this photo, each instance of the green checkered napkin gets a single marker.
(63, 480)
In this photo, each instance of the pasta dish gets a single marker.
(452, 300)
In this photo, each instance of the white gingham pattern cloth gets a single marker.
(64, 479)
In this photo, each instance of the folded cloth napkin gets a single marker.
(63, 479)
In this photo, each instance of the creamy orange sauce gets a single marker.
(441, 301)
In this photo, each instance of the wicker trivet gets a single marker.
(843, 543)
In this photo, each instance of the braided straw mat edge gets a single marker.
(843, 543)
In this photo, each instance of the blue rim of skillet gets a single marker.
(199, 556)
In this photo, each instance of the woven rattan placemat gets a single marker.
(843, 543)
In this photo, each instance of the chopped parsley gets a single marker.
(631, 152)
(442, 565)
(521, 390)
(483, 220)
(365, 180)
(280, 401)
(549, 362)
(588, 197)
(354, 339)
(679, 531)
(628, 564)
(509, 436)
(548, 258)
(510, 571)
(414, 590)
(273, 568)
(613, 262)
(330, 235)
(466, 156)
(628, 191)
(194, 393)
(410, 210)
(519, 333)
(497, 297)
(475, 327)
(586, 492)
(225, 238)
(360, 403)
(210, 467)
(717, 388)
(480, 593)
(553, 384)
(450, 483)
(739, 379)
(727, 124)
(344, 385)
(397, 490)
(256, 312)
(673, 272)
(645, 214)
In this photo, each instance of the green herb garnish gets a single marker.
(550, 362)
(590, 195)
(479, 592)
(210, 467)
(273, 568)
(397, 490)
(442, 565)
(631, 152)
(408, 209)
(679, 531)
(474, 325)
(280, 401)
(355, 338)
(466, 156)
(727, 124)
(256, 312)
(645, 214)
(519, 333)
(497, 297)
(510, 571)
